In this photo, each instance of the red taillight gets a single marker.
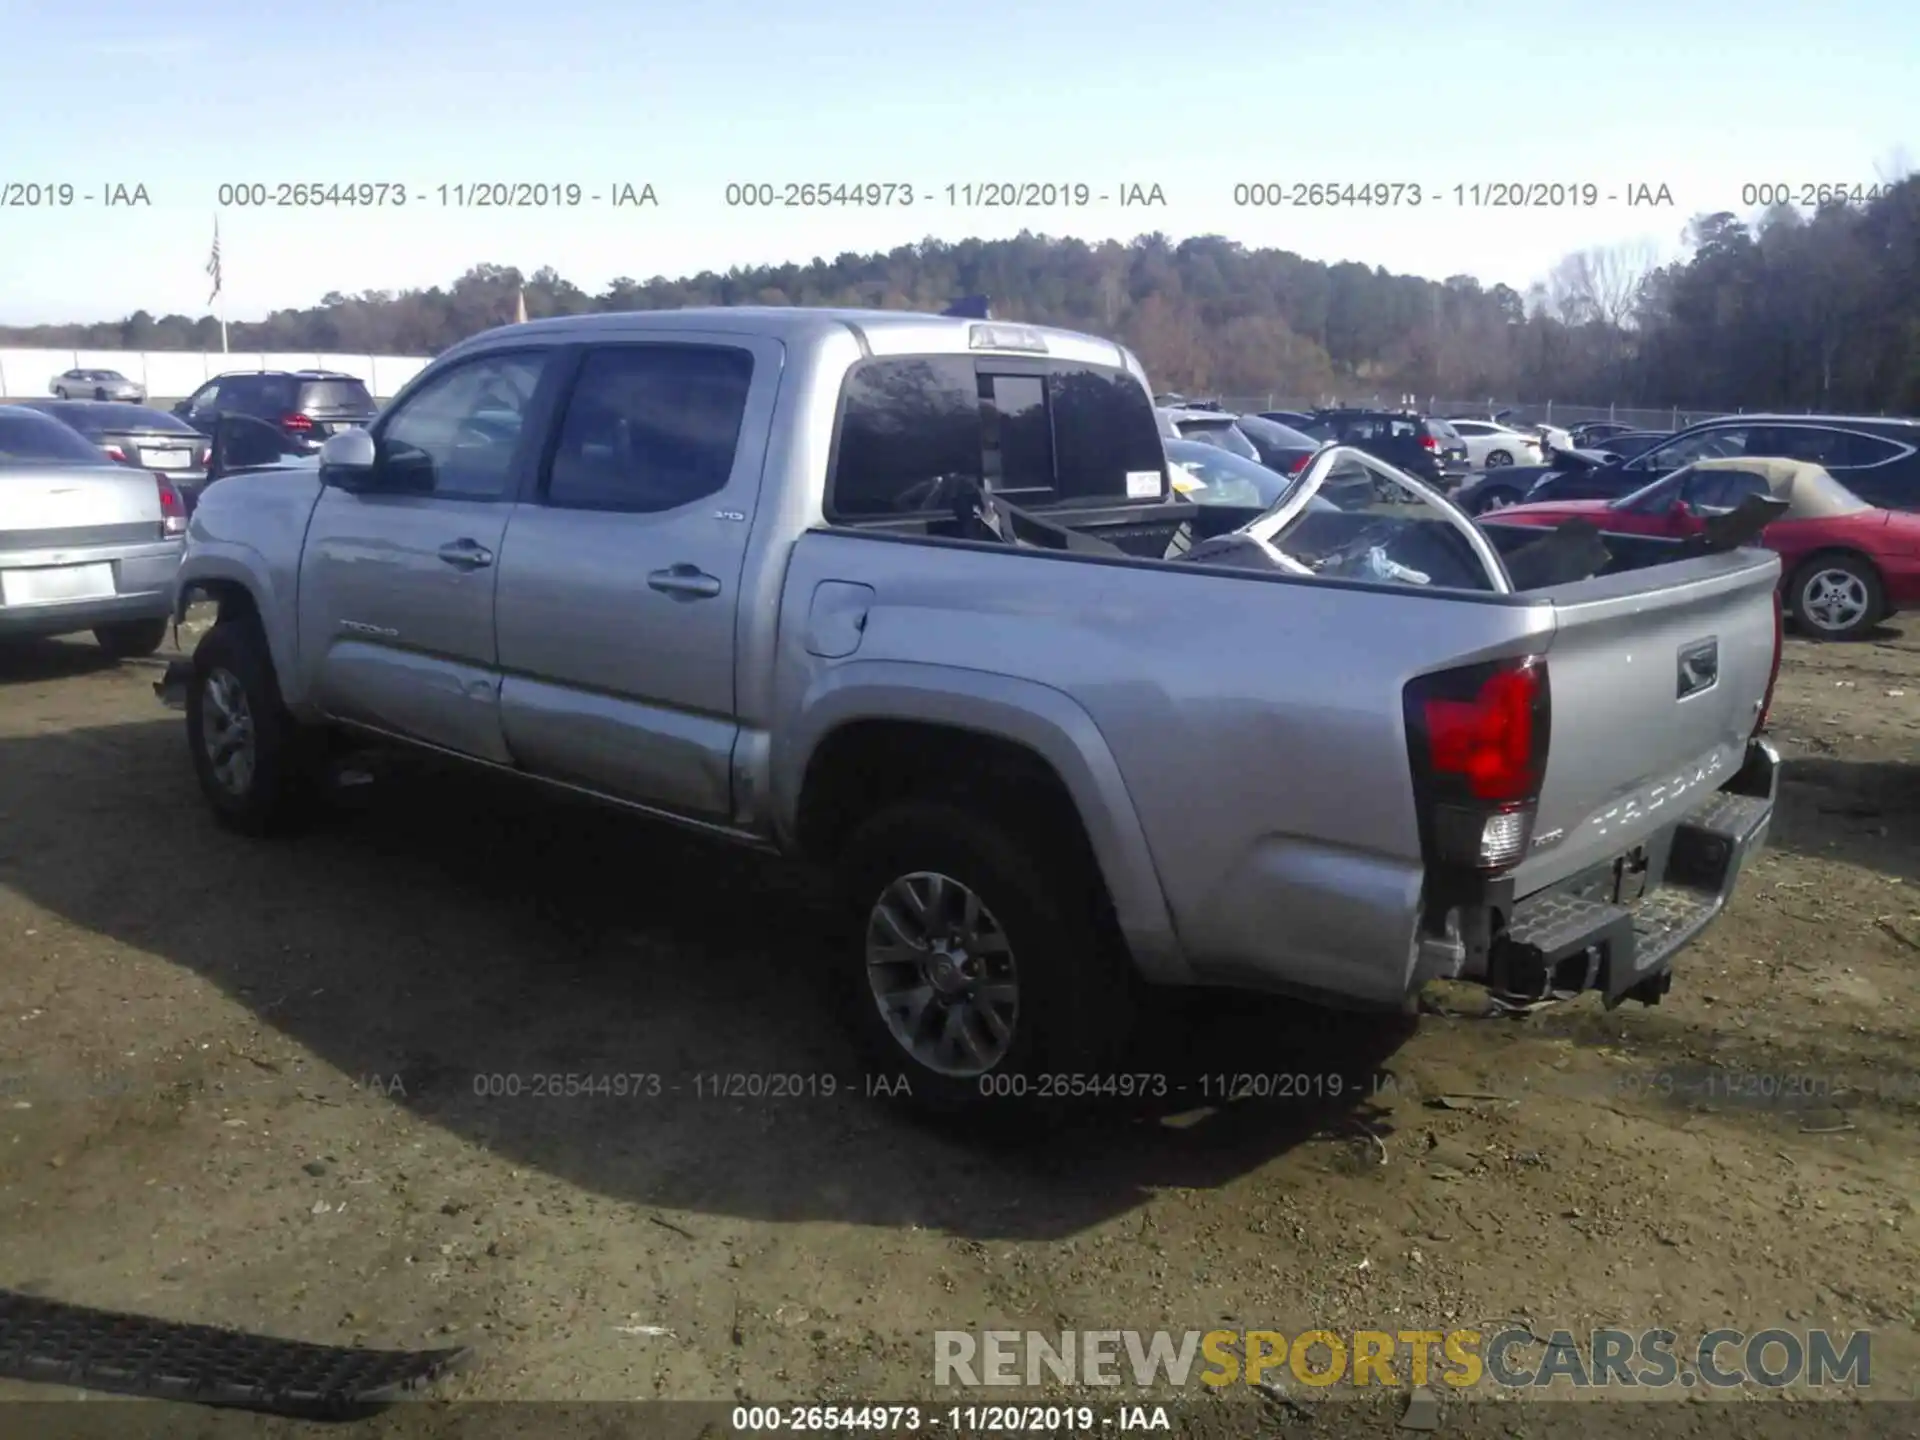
(1299, 464)
(1773, 676)
(173, 510)
(114, 452)
(299, 424)
(1427, 442)
(1478, 742)
(206, 454)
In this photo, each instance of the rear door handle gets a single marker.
(466, 555)
(685, 582)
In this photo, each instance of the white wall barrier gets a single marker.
(176, 374)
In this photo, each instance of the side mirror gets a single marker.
(348, 460)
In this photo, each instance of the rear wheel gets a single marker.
(1498, 458)
(131, 639)
(258, 767)
(1837, 597)
(983, 975)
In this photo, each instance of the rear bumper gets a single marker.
(1617, 928)
(143, 579)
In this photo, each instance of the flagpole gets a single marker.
(219, 288)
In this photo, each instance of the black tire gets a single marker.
(283, 787)
(1073, 1012)
(1497, 459)
(1850, 580)
(99, 392)
(131, 639)
(60, 392)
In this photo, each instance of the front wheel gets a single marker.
(99, 392)
(255, 762)
(1498, 458)
(60, 393)
(1837, 597)
(131, 639)
(983, 976)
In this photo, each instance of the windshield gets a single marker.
(1209, 475)
(1352, 516)
(29, 438)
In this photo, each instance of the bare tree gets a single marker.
(1602, 286)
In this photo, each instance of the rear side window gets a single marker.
(650, 427)
(29, 438)
(903, 425)
(1867, 450)
(1045, 433)
(1800, 442)
(1724, 489)
(335, 395)
(1104, 440)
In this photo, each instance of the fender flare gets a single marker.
(221, 562)
(1046, 721)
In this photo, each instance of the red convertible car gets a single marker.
(1846, 565)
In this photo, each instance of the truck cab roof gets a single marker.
(879, 332)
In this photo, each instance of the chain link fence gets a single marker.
(1548, 412)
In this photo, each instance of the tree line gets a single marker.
(1795, 310)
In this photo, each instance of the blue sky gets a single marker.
(1701, 97)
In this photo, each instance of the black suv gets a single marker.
(1875, 457)
(1429, 450)
(305, 406)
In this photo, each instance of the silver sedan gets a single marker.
(85, 544)
(97, 385)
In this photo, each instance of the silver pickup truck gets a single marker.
(913, 597)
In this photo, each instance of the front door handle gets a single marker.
(466, 555)
(685, 582)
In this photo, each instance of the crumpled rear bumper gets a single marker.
(1617, 927)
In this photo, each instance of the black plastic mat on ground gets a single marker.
(55, 1343)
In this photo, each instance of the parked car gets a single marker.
(1298, 419)
(1876, 458)
(1847, 565)
(1491, 446)
(305, 405)
(137, 435)
(85, 543)
(96, 385)
(1281, 447)
(1590, 434)
(740, 569)
(1400, 437)
(1509, 485)
(1630, 443)
(1211, 427)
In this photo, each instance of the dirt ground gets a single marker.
(246, 1084)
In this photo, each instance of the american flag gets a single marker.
(213, 262)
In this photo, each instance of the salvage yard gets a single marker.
(309, 1089)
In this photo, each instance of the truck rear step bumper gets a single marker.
(1617, 928)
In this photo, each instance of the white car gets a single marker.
(1491, 446)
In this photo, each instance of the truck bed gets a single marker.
(1256, 715)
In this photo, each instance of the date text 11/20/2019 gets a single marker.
(1481, 195)
(955, 1420)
